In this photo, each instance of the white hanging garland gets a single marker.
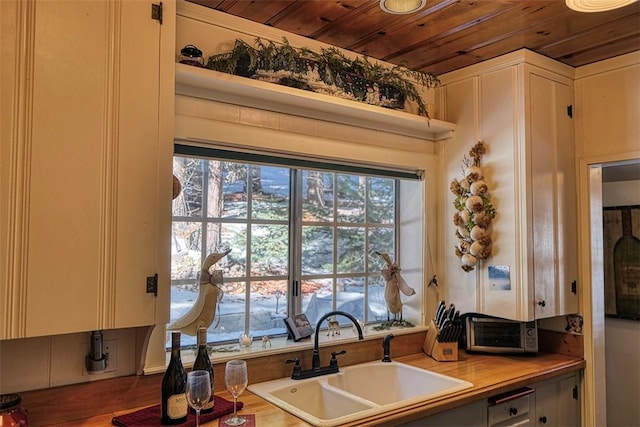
(474, 211)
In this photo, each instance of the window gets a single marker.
(301, 240)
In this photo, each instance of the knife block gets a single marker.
(440, 351)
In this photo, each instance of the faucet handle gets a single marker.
(297, 369)
(333, 363)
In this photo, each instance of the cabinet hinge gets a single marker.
(574, 287)
(570, 111)
(156, 12)
(575, 392)
(152, 284)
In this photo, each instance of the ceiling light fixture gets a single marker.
(402, 6)
(596, 5)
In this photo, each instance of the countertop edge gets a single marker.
(490, 374)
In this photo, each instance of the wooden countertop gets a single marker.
(490, 374)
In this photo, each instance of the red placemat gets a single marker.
(150, 416)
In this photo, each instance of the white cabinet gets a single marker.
(551, 403)
(557, 403)
(520, 105)
(85, 210)
(470, 415)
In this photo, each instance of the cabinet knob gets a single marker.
(542, 303)
(513, 411)
(543, 419)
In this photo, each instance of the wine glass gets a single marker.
(235, 379)
(198, 391)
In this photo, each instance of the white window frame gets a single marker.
(214, 124)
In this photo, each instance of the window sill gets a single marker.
(281, 345)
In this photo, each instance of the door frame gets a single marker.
(591, 277)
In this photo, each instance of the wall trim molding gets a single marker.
(608, 65)
(514, 58)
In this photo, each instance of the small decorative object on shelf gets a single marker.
(328, 72)
(245, 340)
(474, 211)
(266, 340)
(191, 55)
(298, 326)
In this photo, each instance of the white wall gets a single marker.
(622, 337)
(43, 362)
(607, 99)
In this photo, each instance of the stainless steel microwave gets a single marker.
(495, 335)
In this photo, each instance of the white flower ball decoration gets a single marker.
(474, 211)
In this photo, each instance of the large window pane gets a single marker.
(317, 196)
(232, 312)
(380, 240)
(232, 179)
(317, 250)
(269, 250)
(351, 190)
(377, 307)
(268, 307)
(270, 193)
(350, 297)
(381, 201)
(317, 298)
(234, 237)
(190, 173)
(186, 250)
(351, 252)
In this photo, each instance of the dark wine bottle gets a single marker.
(174, 384)
(626, 265)
(203, 362)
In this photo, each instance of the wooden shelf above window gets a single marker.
(222, 87)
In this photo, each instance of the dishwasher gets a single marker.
(513, 409)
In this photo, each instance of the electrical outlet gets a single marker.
(110, 348)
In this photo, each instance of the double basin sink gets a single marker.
(357, 392)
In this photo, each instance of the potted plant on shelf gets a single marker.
(328, 71)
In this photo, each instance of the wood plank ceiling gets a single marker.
(450, 34)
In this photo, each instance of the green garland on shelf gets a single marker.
(323, 71)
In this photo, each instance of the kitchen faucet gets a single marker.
(386, 343)
(316, 370)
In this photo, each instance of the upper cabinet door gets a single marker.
(553, 197)
(144, 152)
(83, 151)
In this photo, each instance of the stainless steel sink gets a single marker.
(357, 392)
